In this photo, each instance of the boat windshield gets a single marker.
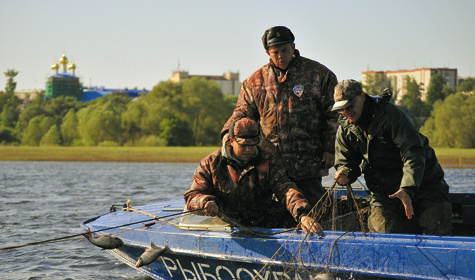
(192, 221)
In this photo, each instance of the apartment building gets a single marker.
(421, 76)
(229, 82)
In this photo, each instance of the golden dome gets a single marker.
(63, 60)
(55, 66)
(72, 66)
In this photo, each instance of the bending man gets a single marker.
(248, 184)
(408, 190)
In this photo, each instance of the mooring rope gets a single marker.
(128, 207)
(101, 230)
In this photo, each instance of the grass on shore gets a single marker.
(448, 157)
(138, 154)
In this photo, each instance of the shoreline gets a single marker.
(448, 157)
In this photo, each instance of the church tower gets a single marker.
(63, 83)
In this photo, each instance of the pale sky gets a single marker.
(118, 43)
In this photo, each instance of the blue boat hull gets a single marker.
(224, 253)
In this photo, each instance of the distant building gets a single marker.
(64, 83)
(421, 76)
(229, 82)
(92, 93)
(27, 95)
(67, 83)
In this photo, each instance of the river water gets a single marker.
(46, 200)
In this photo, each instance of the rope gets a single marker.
(352, 195)
(82, 234)
(128, 207)
(332, 248)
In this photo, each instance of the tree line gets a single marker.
(192, 113)
(446, 116)
(189, 113)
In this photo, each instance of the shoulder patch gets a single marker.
(298, 90)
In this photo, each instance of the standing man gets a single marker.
(292, 97)
(408, 190)
(248, 184)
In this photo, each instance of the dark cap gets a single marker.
(245, 131)
(345, 94)
(277, 35)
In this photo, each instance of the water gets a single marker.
(46, 200)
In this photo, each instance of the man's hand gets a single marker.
(309, 225)
(211, 208)
(342, 176)
(406, 200)
(328, 161)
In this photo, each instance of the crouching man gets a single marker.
(248, 185)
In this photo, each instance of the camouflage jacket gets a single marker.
(248, 194)
(294, 110)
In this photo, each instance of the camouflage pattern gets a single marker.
(346, 92)
(245, 194)
(245, 131)
(294, 110)
(395, 155)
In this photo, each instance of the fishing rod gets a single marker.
(90, 232)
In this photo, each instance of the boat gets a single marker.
(207, 248)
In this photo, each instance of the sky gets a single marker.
(128, 44)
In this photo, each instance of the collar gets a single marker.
(295, 62)
(227, 153)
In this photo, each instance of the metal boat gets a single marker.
(207, 248)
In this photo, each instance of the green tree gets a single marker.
(452, 122)
(9, 116)
(374, 84)
(11, 84)
(176, 131)
(37, 127)
(100, 121)
(9, 103)
(417, 109)
(133, 120)
(174, 108)
(438, 89)
(69, 128)
(467, 84)
(206, 109)
(8, 136)
(52, 137)
(58, 107)
(34, 110)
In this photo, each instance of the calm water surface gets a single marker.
(46, 200)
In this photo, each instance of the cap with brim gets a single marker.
(343, 104)
(346, 93)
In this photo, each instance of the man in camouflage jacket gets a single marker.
(248, 185)
(408, 190)
(292, 97)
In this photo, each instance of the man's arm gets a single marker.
(407, 139)
(347, 158)
(199, 195)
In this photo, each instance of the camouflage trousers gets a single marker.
(388, 216)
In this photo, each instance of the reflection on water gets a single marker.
(46, 200)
